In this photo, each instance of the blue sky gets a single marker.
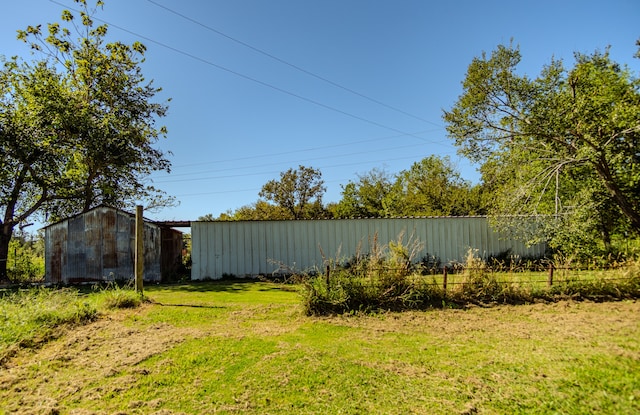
(345, 86)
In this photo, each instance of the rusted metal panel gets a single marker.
(266, 247)
(152, 254)
(76, 264)
(109, 240)
(55, 252)
(98, 246)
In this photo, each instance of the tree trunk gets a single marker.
(621, 199)
(5, 238)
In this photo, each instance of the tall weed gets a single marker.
(479, 284)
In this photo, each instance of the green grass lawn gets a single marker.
(246, 347)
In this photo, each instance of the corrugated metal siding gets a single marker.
(98, 245)
(257, 247)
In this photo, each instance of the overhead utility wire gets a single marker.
(241, 75)
(161, 179)
(236, 190)
(276, 172)
(282, 153)
(290, 64)
(284, 91)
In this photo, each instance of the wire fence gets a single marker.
(539, 276)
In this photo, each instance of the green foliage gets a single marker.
(113, 122)
(297, 192)
(431, 187)
(77, 128)
(25, 262)
(296, 195)
(261, 210)
(562, 145)
(366, 197)
(378, 282)
(478, 284)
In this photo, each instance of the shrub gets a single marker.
(384, 280)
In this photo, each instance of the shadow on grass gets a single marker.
(187, 305)
(235, 285)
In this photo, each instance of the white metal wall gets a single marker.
(250, 248)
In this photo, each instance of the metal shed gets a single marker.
(250, 248)
(98, 245)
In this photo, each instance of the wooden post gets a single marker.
(139, 250)
(550, 280)
(327, 276)
(444, 279)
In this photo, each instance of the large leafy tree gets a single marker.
(365, 198)
(298, 192)
(564, 144)
(433, 187)
(115, 119)
(78, 127)
(34, 116)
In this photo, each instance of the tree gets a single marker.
(34, 114)
(77, 128)
(365, 197)
(299, 192)
(25, 262)
(432, 187)
(207, 218)
(114, 122)
(261, 210)
(562, 144)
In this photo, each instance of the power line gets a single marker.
(282, 153)
(284, 62)
(280, 163)
(277, 172)
(249, 78)
(233, 191)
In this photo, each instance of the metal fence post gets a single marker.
(444, 279)
(327, 274)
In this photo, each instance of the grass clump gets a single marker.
(113, 296)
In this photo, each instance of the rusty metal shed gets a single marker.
(98, 245)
